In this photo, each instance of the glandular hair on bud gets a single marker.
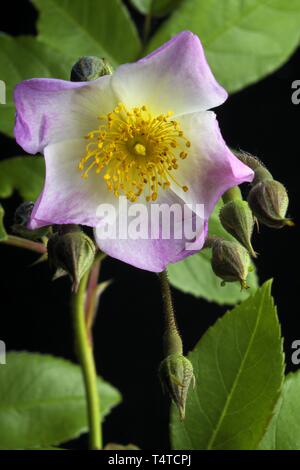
(269, 202)
(176, 374)
(21, 219)
(261, 173)
(72, 252)
(237, 219)
(90, 68)
(230, 261)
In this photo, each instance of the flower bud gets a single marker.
(90, 68)
(230, 261)
(71, 252)
(269, 201)
(237, 218)
(21, 219)
(176, 374)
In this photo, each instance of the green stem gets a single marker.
(19, 242)
(91, 295)
(86, 359)
(232, 194)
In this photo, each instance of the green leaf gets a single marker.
(194, 275)
(239, 369)
(22, 58)
(155, 7)
(24, 174)
(90, 27)
(283, 432)
(42, 401)
(243, 40)
(3, 234)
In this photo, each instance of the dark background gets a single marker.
(128, 348)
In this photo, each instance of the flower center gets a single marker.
(135, 151)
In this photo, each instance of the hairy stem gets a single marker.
(172, 340)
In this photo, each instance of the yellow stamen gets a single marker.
(135, 152)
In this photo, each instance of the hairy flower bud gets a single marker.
(237, 218)
(21, 219)
(90, 68)
(71, 252)
(176, 374)
(230, 261)
(268, 198)
(269, 201)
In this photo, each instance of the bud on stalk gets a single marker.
(268, 198)
(176, 374)
(237, 218)
(72, 252)
(269, 202)
(175, 371)
(230, 260)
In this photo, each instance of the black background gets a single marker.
(35, 312)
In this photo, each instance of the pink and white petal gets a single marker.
(210, 168)
(50, 110)
(175, 77)
(182, 235)
(67, 198)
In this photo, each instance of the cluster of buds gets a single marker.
(267, 203)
